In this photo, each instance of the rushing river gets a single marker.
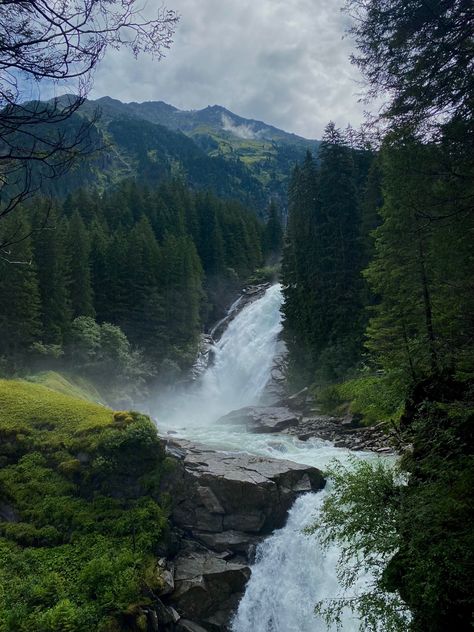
(291, 572)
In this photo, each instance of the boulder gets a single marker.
(230, 540)
(224, 503)
(265, 419)
(217, 492)
(207, 585)
(165, 571)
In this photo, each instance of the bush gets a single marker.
(410, 525)
(360, 515)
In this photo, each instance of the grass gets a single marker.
(74, 386)
(35, 415)
(371, 397)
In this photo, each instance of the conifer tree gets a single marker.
(273, 235)
(52, 272)
(20, 318)
(78, 250)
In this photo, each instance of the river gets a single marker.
(291, 571)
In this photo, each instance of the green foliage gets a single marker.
(408, 525)
(78, 246)
(373, 397)
(103, 354)
(423, 250)
(273, 235)
(360, 514)
(120, 282)
(322, 262)
(81, 488)
(77, 387)
(20, 322)
(268, 274)
(432, 569)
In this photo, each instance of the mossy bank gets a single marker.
(81, 517)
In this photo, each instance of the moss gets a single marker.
(83, 483)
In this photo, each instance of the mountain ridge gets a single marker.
(212, 148)
(184, 119)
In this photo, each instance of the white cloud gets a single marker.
(283, 62)
(241, 131)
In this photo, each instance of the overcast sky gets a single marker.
(281, 61)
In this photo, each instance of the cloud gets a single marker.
(282, 62)
(241, 131)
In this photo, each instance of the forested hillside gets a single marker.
(210, 149)
(122, 284)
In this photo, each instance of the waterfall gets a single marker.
(244, 355)
(290, 575)
(292, 572)
(243, 360)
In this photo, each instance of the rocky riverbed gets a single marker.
(344, 432)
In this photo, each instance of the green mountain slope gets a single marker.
(210, 148)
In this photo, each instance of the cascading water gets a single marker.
(291, 572)
(290, 575)
(243, 360)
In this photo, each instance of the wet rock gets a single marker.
(224, 503)
(264, 419)
(344, 432)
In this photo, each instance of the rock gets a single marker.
(165, 571)
(164, 614)
(174, 614)
(224, 503)
(188, 626)
(297, 400)
(205, 582)
(229, 491)
(263, 418)
(230, 540)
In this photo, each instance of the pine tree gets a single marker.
(20, 318)
(423, 259)
(273, 235)
(78, 245)
(52, 272)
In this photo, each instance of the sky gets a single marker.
(285, 62)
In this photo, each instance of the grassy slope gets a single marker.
(74, 386)
(80, 520)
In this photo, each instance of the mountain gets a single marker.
(212, 148)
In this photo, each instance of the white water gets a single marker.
(291, 572)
